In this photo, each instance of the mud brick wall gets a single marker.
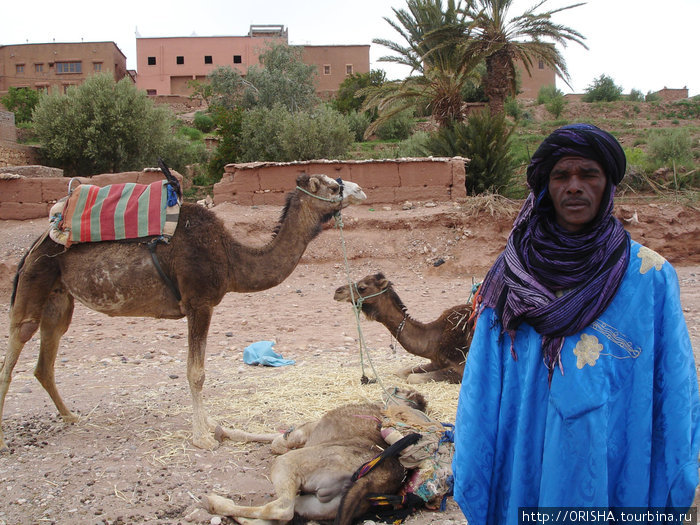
(13, 154)
(24, 197)
(384, 181)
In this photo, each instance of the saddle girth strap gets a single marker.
(152, 248)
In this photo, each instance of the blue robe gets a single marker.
(619, 427)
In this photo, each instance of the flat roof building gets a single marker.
(54, 67)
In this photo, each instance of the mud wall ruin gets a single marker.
(31, 195)
(384, 181)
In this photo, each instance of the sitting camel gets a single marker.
(202, 260)
(444, 341)
(313, 477)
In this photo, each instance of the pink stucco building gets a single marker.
(166, 65)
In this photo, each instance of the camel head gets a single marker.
(367, 292)
(326, 189)
(405, 397)
(363, 290)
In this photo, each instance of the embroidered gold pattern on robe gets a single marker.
(587, 350)
(650, 259)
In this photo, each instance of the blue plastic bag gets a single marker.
(261, 353)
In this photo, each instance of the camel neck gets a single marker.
(260, 268)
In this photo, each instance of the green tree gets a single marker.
(527, 39)
(603, 89)
(21, 101)
(347, 99)
(277, 134)
(439, 71)
(103, 126)
(284, 79)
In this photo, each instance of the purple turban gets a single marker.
(541, 258)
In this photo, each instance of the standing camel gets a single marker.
(444, 341)
(202, 260)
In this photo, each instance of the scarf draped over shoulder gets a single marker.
(555, 280)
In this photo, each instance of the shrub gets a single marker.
(603, 89)
(358, 123)
(652, 97)
(277, 134)
(513, 108)
(203, 122)
(671, 146)
(398, 127)
(486, 140)
(636, 96)
(414, 146)
(547, 93)
(103, 126)
(21, 101)
(555, 106)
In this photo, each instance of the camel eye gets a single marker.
(361, 288)
(335, 189)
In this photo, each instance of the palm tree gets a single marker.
(433, 36)
(526, 38)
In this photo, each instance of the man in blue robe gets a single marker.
(580, 388)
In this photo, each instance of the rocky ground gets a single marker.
(129, 459)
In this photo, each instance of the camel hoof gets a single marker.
(206, 442)
(70, 418)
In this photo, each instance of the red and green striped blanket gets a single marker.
(116, 212)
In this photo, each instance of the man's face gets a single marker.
(576, 187)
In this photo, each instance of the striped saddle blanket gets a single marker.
(115, 212)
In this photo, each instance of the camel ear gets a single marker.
(384, 283)
(314, 184)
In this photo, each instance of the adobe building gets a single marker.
(166, 65)
(54, 67)
(540, 75)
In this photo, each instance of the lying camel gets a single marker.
(445, 341)
(203, 261)
(313, 475)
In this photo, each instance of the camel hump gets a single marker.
(115, 212)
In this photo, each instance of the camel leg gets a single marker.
(287, 481)
(19, 335)
(222, 433)
(202, 426)
(34, 282)
(55, 320)
(443, 374)
(418, 369)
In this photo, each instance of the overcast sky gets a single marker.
(642, 44)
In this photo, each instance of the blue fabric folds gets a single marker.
(261, 353)
(619, 428)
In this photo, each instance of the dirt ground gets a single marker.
(129, 460)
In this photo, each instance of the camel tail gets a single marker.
(15, 280)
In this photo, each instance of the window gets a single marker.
(541, 64)
(237, 59)
(151, 61)
(208, 60)
(42, 88)
(180, 60)
(19, 68)
(151, 92)
(38, 68)
(348, 69)
(97, 67)
(68, 67)
(326, 69)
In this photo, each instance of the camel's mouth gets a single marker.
(352, 193)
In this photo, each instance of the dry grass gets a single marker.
(273, 399)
